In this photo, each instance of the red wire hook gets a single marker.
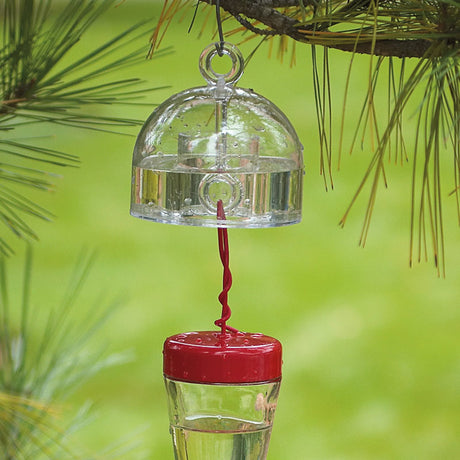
(227, 278)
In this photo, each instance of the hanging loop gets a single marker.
(210, 52)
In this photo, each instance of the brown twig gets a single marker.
(276, 23)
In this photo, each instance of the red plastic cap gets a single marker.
(207, 357)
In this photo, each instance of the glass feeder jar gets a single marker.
(218, 142)
(222, 394)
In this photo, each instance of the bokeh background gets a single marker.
(371, 347)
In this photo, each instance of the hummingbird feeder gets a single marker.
(219, 156)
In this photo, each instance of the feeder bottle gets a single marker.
(222, 393)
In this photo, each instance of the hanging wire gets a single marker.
(220, 45)
(227, 278)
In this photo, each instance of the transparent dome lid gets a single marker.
(218, 143)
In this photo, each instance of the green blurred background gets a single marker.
(371, 347)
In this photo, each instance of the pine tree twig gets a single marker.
(417, 48)
(264, 12)
(318, 31)
(13, 101)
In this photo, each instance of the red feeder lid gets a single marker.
(209, 357)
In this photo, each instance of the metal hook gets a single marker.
(220, 45)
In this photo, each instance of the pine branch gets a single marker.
(35, 88)
(384, 28)
(38, 372)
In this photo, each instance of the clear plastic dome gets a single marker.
(214, 143)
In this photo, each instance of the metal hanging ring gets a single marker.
(210, 52)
